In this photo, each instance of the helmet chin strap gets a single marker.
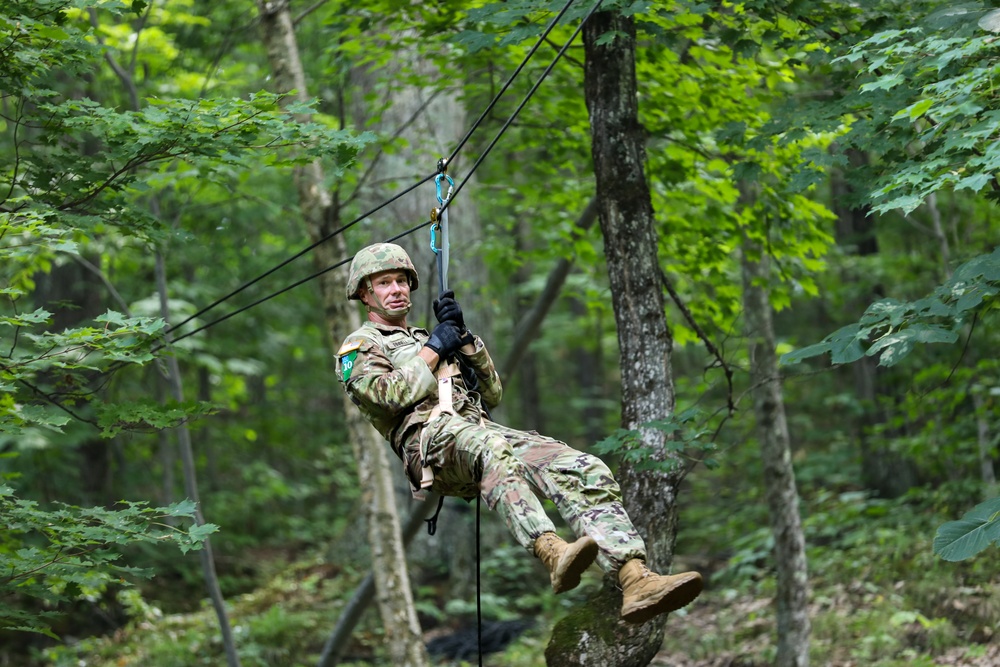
(390, 314)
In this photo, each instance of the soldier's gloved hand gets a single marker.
(446, 339)
(446, 308)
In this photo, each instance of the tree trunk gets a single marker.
(595, 635)
(395, 599)
(779, 474)
(71, 284)
(528, 412)
(985, 444)
(205, 554)
(172, 377)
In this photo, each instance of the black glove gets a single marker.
(446, 308)
(446, 339)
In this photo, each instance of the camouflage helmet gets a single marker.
(376, 258)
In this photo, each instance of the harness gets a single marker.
(445, 406)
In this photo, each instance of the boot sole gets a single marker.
(681, 595)
(585, 553)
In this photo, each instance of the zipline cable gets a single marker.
(299, 254)
(510, 80)
(524, 102)
(329, 236)
(286, 289)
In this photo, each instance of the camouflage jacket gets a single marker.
(396, 390)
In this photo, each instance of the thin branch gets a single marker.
(56, 403)
(395, 135)
(714, 351)
(87, 264)
(17, 151)
(17, 330)
(138, 31)
(567, 58)
(306, 12)
(223, 50)
(965, 349)
(123, 75)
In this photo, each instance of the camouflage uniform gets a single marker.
(397, 392)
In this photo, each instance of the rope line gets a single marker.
(479, 583)
(496, 98)
(117, 366)
(285, 289)
(302, 252)
(461, 144)
(524, 102)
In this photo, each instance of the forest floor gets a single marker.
(854, 625)
(697, 641)
(879, 599)
(284, 623)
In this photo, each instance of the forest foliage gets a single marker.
(131, 131)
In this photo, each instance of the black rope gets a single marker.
(496, 98)
(461, 144)
(479, 584)
(432, 523)
(289, 287)
(524, 102)
(302, 252)
(115, 367)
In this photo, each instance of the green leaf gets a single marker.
(974, 532)
(114, 418)
(897, 345)
(185, 508)
(610, 36)
(915, 111)
(990, 21)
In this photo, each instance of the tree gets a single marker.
(392, 583)
(793, 622)
(75, 172)
(626, 217)
(923, 109)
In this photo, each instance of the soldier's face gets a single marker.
(392, 288)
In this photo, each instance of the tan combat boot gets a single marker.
(566, 562)
(646, 594)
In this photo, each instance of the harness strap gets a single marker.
(445, 406)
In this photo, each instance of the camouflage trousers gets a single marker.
(518, 467)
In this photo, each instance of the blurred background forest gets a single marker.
(153, 172)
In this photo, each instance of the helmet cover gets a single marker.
(375, 259)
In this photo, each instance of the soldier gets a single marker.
(435, 420)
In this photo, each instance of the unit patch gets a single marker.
(347, 364)
(348, 353)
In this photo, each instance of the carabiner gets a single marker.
(434, 246)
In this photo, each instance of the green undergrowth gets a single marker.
(880, 597)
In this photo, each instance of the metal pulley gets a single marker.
(439, 226)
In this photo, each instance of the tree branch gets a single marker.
(714, 351)
(526, 329)
(307, 11)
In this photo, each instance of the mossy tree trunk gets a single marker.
(594, 635)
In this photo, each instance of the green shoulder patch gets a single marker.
(347, 363)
